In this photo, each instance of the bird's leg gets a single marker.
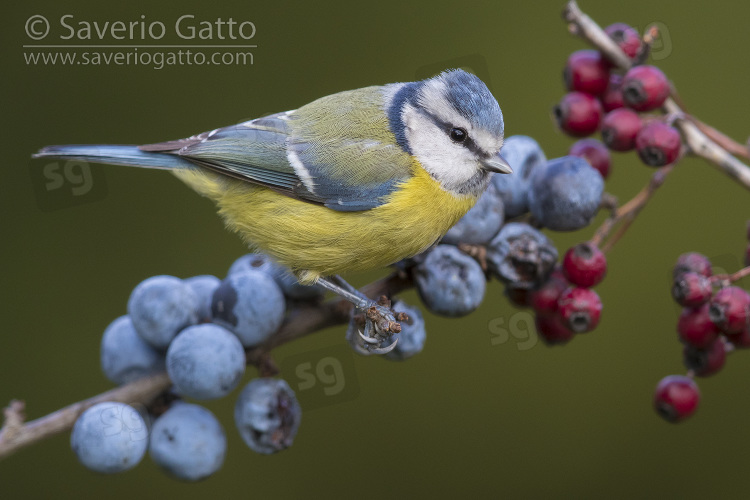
(380, 321)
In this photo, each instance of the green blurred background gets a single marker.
(472, 414)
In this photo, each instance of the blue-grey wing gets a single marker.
(337, 151)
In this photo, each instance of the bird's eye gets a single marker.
(458, 134)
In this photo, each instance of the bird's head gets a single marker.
(453, 125)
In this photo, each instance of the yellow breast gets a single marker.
(317, 241)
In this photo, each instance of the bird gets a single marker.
(353, 181)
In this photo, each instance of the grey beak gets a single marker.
(497, 164)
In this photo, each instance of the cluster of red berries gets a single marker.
(600, 99)
(565, 304)
(711, 325)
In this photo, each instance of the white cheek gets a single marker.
(450, 163)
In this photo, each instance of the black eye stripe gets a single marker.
(468, 143)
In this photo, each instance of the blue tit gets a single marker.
(349, 182)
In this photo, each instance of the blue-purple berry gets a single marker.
(565, 193)
(524, 155)
(160, 307)
(449, 282)
(204, 287)
(188, 442)
(250, 304)
(125, 356)
(109, 437)
(480, 223)
(205, 361)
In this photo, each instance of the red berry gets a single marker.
(544, 299)
(729, 309)
(695, 327)
(584, 265)
(612, 97)
(644, 88)
(552, 329)
(740, 340)
(586, 71)
(658, 144)
(691, 289)
(626, 37)
(594, 152)
(692, 262)
(619, 129)
(520, 297)
(676, 397)
(580, 309)
(705, 362)
(578, 114)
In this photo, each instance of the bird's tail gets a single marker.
(115, 155)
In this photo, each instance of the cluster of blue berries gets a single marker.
(196, 329)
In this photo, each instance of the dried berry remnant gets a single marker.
(521, 256)
(645, 88)
(676, 398)
(595, 153)
(578, 114)
(267, 415)
(620, 128)
(586, 71)
(658, 144)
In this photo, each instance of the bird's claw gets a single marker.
(381, 330)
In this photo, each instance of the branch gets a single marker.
(731, 278)
(15, 435)
(301, 320)
(628, 212)
(697, 141)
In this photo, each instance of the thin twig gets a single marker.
(731, 278)
(15, 435)
(628, 212)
